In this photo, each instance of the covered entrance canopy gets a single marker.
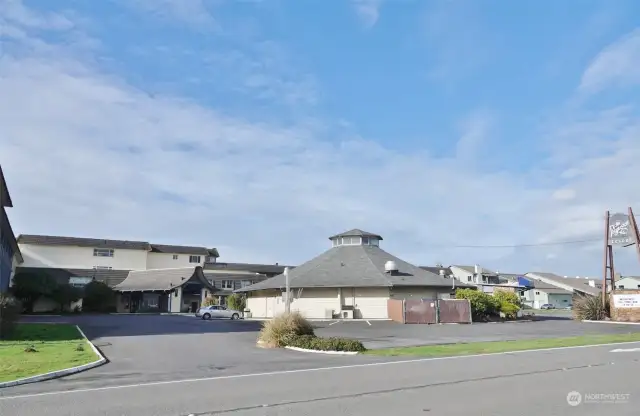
(162, 290)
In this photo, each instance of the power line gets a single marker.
(557, 243)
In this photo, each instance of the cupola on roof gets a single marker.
(355, 237)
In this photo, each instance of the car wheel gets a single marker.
(235, 316)
(206, 316)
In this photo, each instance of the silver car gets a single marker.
(216, 311)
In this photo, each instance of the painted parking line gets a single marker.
(625, 350)
(333, 323)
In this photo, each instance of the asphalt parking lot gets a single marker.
(157, 348)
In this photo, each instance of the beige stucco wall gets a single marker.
(80, 258)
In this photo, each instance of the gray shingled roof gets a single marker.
(5, 197)
(436, 270)
(353, 266)
(256, 268)
(161, 279)
(50, 240)
(110, 277)
(581, 285)
(550, 289)
(356, 232)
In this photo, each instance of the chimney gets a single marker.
(477, 269)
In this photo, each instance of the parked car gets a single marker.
(217, 311)
(547, 306)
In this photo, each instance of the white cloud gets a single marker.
(368, 11)
(86, 153)
(615, 66)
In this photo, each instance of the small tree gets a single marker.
(236, 302)
(483, 305)
(210, 301)
(98, 297)
(64, 294)
(29, 287)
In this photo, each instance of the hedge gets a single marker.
(311, 342)
(10, 309)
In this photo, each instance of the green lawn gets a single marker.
(505, 346)
(56, 348)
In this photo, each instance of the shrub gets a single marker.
(483, 305)
(64, 294)
(29, 287)
(210, 301)
(311, 342)
(277, 331)
(590, 308)
(236, 302)
(509, 310)
(98, 297)
(10, 309)
(510, 297)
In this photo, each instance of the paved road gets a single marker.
(527, 384)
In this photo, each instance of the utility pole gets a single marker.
(287, 299)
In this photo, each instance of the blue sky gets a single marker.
(262, 127)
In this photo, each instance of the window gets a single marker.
(621, 287)
(227, 284)
(102, 268)
(537, 293)
(103, 252)
(194, 259)
(175, 257)
(246, 283)
(468, 278)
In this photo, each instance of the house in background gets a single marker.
(543, 293)
(628, 282)
(10, 255)
(355, 278)
(485, 280)
(576, 285)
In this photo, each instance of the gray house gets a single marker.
(546, 294)
(354, 278)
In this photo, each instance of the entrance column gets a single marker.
(176, 300)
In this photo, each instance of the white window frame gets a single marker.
(196, 258)
(103, 252)
(226, 286)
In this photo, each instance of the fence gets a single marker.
(429, 311)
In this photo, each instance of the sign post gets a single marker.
(634, 231)
(287, 299)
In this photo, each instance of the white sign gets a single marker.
(626, 301)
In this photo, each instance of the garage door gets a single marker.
(371, 303)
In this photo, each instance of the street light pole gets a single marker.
(287, 304)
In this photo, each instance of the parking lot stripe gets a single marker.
(302, 370)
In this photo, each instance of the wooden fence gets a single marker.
(429, 311)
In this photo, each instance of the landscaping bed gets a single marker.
(473, 348)
(293, 330)
(34, 349)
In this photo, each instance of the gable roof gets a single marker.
(51, 240)
(161, 279)
(249, 267)
(472, 270)
(353, 266)
(356, 232)
(110, 277)
(548, 288)
(575, 284)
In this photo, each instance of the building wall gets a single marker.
(420, 293)
(6, 252)
(371, 303)
(167, 261)
(628, 283)
(81, 258)
(462, 275)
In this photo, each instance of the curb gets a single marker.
(322, 352)
(61, 373)
(610, 322)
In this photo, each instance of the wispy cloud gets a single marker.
(368, 11)
(616, 66)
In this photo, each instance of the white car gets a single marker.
(216, 311)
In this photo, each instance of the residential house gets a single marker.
(546, 294)
(628, 282)
(10, 255)
(354, 278)
(576, 285)
(485, 280)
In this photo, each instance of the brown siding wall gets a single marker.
(625, 314)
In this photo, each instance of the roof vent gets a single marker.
(441, 272)
(390, 266)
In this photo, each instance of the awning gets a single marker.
(161, 279)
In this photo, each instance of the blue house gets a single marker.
(8, 244)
